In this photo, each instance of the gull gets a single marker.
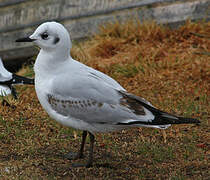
(8, 79)
(81, 97)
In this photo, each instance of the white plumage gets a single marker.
(60, 76)
(8, 79)
(4, 76)
(79, 96)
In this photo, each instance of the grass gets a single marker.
(167, 67)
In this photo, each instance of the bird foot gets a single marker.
(73, 156)
(87, 165)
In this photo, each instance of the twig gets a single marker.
(200, 35)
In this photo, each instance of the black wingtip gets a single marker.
(165, 118)
(21, 80)
(184, 120)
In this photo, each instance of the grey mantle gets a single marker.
(82, 17)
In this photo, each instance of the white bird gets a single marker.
(8, 79)
(81, 97)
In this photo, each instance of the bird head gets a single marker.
(50, 36)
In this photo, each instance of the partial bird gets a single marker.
(8, 80)
(81, 97)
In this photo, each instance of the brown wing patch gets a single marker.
(133, 105)
(53, 101)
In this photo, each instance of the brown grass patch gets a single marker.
(170, 68)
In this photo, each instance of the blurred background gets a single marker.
(19, 18)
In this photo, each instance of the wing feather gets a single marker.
(93, 100)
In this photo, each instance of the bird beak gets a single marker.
(25, 39)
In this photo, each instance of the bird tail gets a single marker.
(162, 119)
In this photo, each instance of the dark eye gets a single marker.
(44, 36)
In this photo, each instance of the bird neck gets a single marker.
(47, 63)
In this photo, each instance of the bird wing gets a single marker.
(96, 74)
(87, 96)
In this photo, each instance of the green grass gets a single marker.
(158, 152)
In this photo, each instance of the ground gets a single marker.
(170, 68)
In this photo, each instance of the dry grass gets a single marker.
(170, 68)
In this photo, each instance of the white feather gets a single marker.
(60, 81)
(4, 90)
(4, 74)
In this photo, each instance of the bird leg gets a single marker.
(90, 158)
(79, 154)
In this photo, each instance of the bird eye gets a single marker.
(44, 36)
